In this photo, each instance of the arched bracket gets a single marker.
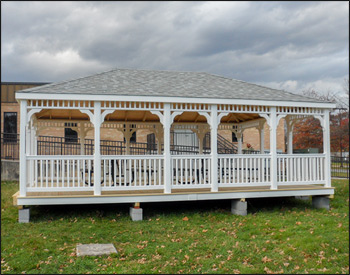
(207, 116)
(160, 115)
(174, 114)
(90, 114)
(279, 118)
(220, 116)
(321, 119)
(31, 113)
(267, 118)
(261, 125)
(105, 113)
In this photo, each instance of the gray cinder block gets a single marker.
(23, 215)
(136, 214)
(239, 207)
(320, 202)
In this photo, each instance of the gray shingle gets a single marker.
(131, 82)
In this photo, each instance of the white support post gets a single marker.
(32, 150)
(327, 147)
(167, 156)
(214, 148)
(158, 133)
(273, 147)
(28, 147)
(82, 133)
(22, 154)
(262, 137)
(290, 126)
(239, 139)
(200, 135)
(97, 153)
(127, 137)
(159, 146)
(36, 134)
(29, 138)
(200, 144)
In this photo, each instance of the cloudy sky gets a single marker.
(293, 46)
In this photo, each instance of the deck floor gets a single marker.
(117, 193)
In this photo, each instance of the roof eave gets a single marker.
(168, 99)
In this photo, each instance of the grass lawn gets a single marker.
(277, 236)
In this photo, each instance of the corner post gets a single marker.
(167, 155)
(214, 147)
(327, 148)
(273, 147)
(22, 152)
(97, 152)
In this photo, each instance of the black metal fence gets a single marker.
(9, 146)
(340, 167)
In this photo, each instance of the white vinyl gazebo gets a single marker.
(128, 100)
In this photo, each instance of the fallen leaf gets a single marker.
(185, 219)
(266, 259)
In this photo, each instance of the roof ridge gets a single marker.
(52, 84)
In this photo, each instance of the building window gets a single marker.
(234, 137)
(70, 135)
(151, 142)
(10, 127)
(133, 137)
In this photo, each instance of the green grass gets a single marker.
(277, 236)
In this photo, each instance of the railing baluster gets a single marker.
(52, 169)
(140, 172)
(68, 178)
(144, 171)
(160, 169)
(190, 160)
(195, 171)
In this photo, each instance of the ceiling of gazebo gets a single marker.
(140, 116)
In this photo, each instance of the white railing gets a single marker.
(59, 173)
(76, 173)
(191, 171)
(244, 170)
(301, 169)
(132, 172)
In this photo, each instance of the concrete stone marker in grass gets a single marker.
(95, 249)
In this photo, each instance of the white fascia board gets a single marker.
(43, 96)
(171, 197)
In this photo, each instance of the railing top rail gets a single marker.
(300, 155)
(60, 157)
(107, 157)
(243, 155)
(190, 156)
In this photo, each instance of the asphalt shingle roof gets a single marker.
(132, 82)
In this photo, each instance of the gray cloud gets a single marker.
(289, 45)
